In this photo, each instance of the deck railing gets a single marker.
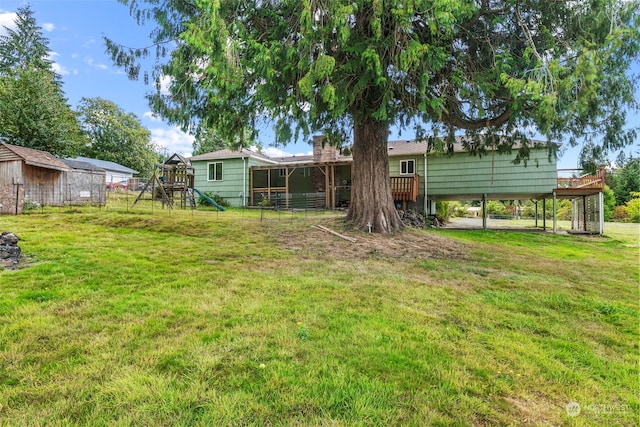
(582, 181)
(405, 188)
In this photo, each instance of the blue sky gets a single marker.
(75, 29)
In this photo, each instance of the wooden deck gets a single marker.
(405, 189)
(582, 185)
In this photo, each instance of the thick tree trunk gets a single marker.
(371, 199)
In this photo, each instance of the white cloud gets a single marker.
(89, 60)
(308, 153)
(273, 152)
(278, 152)
(151, 116)
(7, 19)
(172, 140)
(48, 27)
(59, 69)
(165, 84)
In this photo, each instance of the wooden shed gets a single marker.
(29, 175)
(38, 177)
(85, 183)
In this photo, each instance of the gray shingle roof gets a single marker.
(232, 154)
(413, 147)
(37, 158)
(106, 165)
(395, 148)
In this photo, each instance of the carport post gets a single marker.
(555, 220)
(484, 211)
(601, 211)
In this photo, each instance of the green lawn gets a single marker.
(140, 317)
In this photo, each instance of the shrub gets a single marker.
(620, 214)
(30, 206)
(457, 210)
(563, 210)
(609, 203)
(633, 208)
(442, 211)
(529, 209)
(495, 207)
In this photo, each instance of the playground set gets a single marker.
(172, 184)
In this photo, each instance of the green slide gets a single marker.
(209, 199)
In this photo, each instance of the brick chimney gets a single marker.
(327, 153)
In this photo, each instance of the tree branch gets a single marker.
(484, 10)
(457, 120)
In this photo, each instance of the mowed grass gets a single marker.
(202, 318)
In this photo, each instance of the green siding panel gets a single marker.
(462, 174)
(234, 181)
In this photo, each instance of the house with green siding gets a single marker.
(463, 176)
(226, 173)
(246, 178)
(419, 177)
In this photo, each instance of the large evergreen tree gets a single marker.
(34, 115)
(24, 47)
(116, 136)
(486, 67)
(34, 112)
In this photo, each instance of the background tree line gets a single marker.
(35, 113)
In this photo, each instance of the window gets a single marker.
(407, 167)
(282, 173)
(215, 171)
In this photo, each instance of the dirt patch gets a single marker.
(408, 243)
(534, 411)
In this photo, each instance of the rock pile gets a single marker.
(9, 250)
